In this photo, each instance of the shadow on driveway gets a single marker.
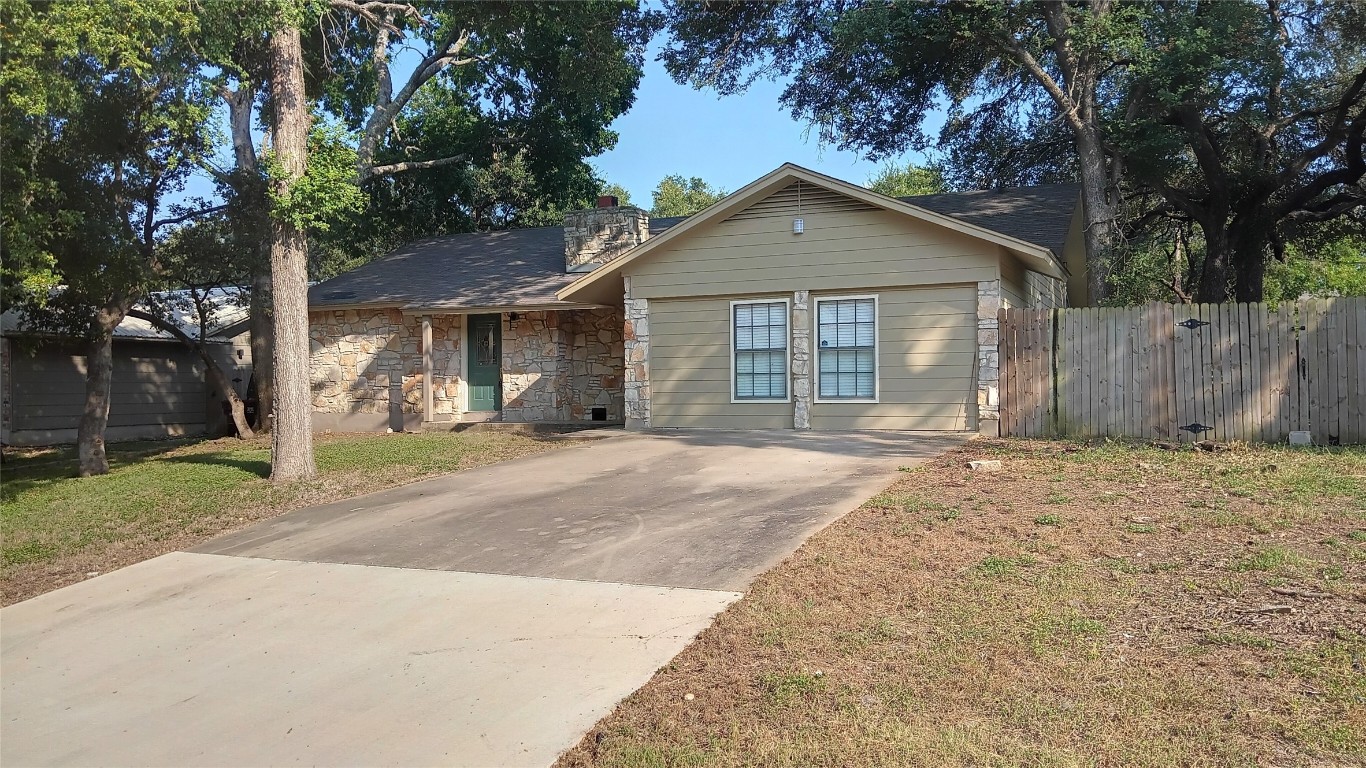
(696, 509)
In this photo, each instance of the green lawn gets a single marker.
(166, 495)
(1089, 605)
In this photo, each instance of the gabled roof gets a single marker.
(1041, 257)
(524, 268)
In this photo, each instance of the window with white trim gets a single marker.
(759, 341)
(846, 348)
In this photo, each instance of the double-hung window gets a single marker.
(846, 351)
(759, 345)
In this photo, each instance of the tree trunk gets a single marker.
(1213, 287)
(99, 376)
(262, 342)
(1100, 229)
(240, 106)
(292, 454)
(1249, 248)
(236, 408)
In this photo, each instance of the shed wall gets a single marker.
(157, 391)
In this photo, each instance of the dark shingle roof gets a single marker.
(525, 267)
(664, 222)
(1039, 215)
(518, 267)
(479, 269)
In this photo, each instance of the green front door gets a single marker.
(485, 353)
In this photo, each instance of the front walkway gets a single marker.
(484, 618)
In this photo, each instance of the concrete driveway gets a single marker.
(484, 618)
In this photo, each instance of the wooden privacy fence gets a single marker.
(1187, 372)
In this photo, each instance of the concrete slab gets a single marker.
(203, 660)
(701, 509)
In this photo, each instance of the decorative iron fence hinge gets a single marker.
(1195, 428)
(1192, 323)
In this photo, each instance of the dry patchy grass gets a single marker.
(1090, 605)
(168, 495)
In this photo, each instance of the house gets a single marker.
(798, 302)
(160, 388)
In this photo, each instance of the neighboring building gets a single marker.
(799, 301)
(160, 388)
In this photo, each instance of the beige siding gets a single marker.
(927, 351)
(1044, 292)
(1074, 256)
(1013, 295)
(690, 370)
(1023, 288)
(847, 245)
(926, 356)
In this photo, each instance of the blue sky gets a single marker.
(728, 141)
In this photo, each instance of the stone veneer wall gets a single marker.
(801, 360)
(559, 365)
(988, 362)
(637, 360)
(534, 382)
(598, 354)
(602, 234)
(365, 361)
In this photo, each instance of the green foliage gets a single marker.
(1333, 268)
(1232, 119)
(106, 112)
(523, 118)
(327, 191)
(677, 196)
(869, 76)
(1241, 120)
(622, 194)
(899, 181)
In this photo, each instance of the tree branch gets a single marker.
(445, 55)
(384, 87)
(1064, 101)
(240, 103)
(1183, 202)
(1335, 206)
(186, 217)
(1207, 153)
(375, 171)
(372, 9)
(388, 104)
(1350, 173)
(163, 324)
(1332, 136)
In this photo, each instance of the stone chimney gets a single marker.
(601, 234)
